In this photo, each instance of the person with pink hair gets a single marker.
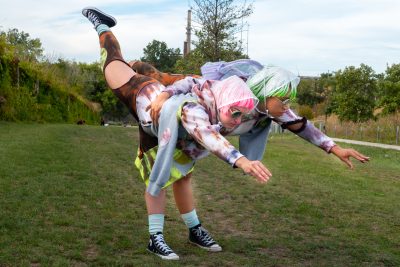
(188, 130)
(274, 87)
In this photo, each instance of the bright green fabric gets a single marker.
(145, 164)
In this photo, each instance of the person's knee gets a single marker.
(161, 194)
(182, 183)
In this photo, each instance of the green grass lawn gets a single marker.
(70, 196)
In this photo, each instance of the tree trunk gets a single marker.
(37, 87)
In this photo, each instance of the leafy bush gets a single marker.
(306, 111)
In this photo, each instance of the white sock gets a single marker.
(156, 223)
(190, 218)
(102, 28)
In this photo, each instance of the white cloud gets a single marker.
(306, 36)
(65, 32)
(319, 36)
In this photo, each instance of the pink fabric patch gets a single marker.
(232, 90)
(165, 137)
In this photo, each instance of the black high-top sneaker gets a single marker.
(158, 246)
(199, 236)
(97, 17)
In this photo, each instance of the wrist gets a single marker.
(240, 162)
(334, 149)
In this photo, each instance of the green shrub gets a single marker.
(306, 111)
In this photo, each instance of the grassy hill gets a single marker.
(70, 196)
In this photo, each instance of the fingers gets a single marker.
(154, 113)
(361, 157)
(259, 171)
(261, 176)
(264, 170)
(357, 155)
(347, 161)
(154, 116)
(345, 155)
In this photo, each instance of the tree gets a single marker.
(389, 89)
(6, 50)
(220, 21)
(160, 56)
(191, 63)
(91, 83)
(354, 94)
(327, 83)
(309, 92)
(26, 49)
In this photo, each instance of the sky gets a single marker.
(308, 37)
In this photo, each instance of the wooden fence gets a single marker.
(387, 134)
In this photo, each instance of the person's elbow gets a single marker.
(295, 127)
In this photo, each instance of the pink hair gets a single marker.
(247, 103)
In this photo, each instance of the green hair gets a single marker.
(274, 81)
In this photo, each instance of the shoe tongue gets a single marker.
(197, 226)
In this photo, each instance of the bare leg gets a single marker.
(121, 78)
(126, 84)
(155, 205)
(117, 73)
(183, 194)
(185, 202)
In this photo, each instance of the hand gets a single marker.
(156, 105)
(344, 155)
(254, 168)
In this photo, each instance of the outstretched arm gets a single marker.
(196, 122)
(305, 129)
(309, 132)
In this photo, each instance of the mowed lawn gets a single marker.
(70, 196)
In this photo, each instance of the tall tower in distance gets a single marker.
(186, 44)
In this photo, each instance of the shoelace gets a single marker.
(161, 245)
(93, 17)
(203, 235)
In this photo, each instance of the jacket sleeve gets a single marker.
(307, 131)
(183, 86)
(196, 122)
(167, 138)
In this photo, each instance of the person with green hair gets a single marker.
(274, 86)
(188, 131)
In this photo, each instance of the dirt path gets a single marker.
(366, 143)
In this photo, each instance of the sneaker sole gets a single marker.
(165, 257)
(110, 18)
(210, 249)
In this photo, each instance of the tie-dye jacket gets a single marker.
(254, 129)
(196, 136)
(199, 120)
